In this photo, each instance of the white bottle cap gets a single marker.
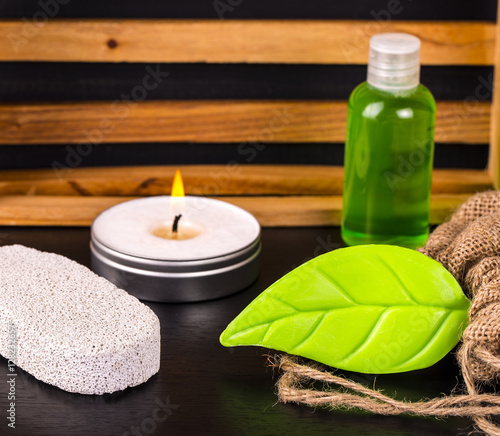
(394, 63)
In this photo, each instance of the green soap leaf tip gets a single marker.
(373, 309)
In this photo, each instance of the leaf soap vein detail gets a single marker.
(402, 285)
(375, 309)
(448, 331)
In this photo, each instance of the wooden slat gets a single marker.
(255, 41)
(206, 180)
(443, 205)
(494, 155)
(270, 211)
(211, 121)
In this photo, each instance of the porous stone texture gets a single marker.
(71, 328)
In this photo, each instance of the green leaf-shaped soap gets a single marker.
(372, 309)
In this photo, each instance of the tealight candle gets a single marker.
(163, 249)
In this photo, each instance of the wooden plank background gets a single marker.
(212, 121)
(277, 194)
(494, 158)
(210, 180)
(254, 41)
(271, 211)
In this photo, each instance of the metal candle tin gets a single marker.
(175, 281)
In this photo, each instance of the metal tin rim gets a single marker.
(178, 281)
(162, 273)
(184, 266)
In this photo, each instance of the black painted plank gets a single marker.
(44, 156)
(252, 9)
(39, 81)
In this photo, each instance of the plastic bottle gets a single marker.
(389, 148)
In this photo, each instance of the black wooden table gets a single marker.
(203, 388)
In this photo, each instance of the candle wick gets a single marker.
(176, 223)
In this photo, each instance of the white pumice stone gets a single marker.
(70, 328)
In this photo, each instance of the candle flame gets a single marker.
(177, 202)
(178, 185)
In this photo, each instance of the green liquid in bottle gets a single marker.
(388, 166)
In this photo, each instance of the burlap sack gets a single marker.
(469, 247)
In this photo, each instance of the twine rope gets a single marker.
(468, 245)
